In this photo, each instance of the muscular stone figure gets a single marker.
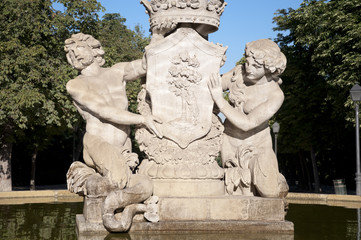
(100, 97)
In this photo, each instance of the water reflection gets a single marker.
(190, 236)
(57, 221)
(358, 224)
(39, 221)
(324, 222)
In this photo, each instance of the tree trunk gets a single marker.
(5, 167)
(33, 168)
(315, 170)
(305, 173)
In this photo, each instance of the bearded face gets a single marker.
(80, 55)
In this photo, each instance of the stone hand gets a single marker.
(149, 122)
(215, 87)
(131, 160)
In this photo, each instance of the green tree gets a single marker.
(322, 42)
(34, 104)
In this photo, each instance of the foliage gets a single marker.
(79, 16)
(322, 42)
(32, 73)
(34, 104)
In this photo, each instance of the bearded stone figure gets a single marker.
(99, 95)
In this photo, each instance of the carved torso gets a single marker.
(110, 86)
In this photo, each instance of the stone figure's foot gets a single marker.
(151, 217)
(151, 213)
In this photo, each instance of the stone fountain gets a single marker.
(179, 186)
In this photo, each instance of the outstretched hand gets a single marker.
(215, 87)
(150, 121)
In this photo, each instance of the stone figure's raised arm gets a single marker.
(93, 102)
(260, 114)
(90, 101)
(231, 76)
(134, 70)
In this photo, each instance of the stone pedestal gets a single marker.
(222, 208)
(212, 213)
(91, 220)
(92, 209)
(84, 227)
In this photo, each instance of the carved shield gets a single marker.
(178, 69)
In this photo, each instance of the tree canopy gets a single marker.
(322, 42)
(34, 105)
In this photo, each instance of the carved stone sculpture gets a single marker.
(164, 15)
(255, 97)
(179, 131)
(99, 95)
(177, 70)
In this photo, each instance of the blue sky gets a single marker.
(242, 21)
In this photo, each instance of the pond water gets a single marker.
(57, 221)
(324, 222)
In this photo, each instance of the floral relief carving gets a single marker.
(163, 151)
(189, 3)
(217, 6)
(166, 4)
(185, 76)
(159, 4)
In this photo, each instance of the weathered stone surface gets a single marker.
(182, 235)
(218, 226)
(84, 227)
(221, 208)
(93, 209)
(178, 68)
(188, 188)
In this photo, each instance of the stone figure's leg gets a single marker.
(107, 159)
(139, 189)
(264, 169)
(128, 144)
(87, 159)
(123, 224)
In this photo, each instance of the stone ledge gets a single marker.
(348, 201)
(215, 226)
(39, 196)
(218, 213)
(284, 227)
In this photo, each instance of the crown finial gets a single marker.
(201, 12)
